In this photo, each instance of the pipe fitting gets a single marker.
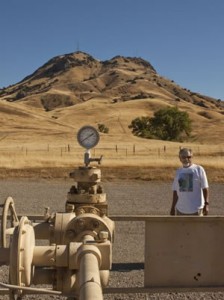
(87, 248)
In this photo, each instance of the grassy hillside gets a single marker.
(40, 115)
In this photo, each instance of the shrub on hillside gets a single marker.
(102, 128)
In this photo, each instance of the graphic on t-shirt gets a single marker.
(186, 182)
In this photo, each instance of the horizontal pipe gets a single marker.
(147, 218)
(9, 231)
(51, 256)
(30, 289)
(44, 256)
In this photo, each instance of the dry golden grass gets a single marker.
(34, 139)
(146, 160)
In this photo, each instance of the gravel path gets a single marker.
(137, 197)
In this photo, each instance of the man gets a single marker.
(190, 188)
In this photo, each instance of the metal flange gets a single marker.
(21, 254)
(87, 223)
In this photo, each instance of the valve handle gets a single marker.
(8, 212)
(88, 159)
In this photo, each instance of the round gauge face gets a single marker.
(88, 137)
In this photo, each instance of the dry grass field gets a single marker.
(31, 141)
(140, 159)
(41, 115)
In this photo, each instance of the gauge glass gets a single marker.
(88, 137)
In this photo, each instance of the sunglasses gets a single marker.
(186, 157)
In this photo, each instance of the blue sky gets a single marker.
(182, 39)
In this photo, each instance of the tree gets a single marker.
(140, 127)
(168, 124)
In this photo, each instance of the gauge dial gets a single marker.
(88, 137)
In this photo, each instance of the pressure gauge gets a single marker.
(88, 137)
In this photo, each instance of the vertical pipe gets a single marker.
(89, 278)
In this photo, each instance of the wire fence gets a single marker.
(114, 151)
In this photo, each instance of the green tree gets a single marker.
(140, 127)
(169, 124)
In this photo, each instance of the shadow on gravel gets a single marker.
(124, 267)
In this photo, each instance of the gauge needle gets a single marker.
(87, 137)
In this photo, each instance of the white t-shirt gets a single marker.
(188, 183)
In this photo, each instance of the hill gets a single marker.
(76, 89)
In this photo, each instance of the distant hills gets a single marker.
(75, 89)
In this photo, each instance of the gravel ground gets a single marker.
(124, 198)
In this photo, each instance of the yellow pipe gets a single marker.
(89, 278)
(89, 259)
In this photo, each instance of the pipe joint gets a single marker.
(88, 248)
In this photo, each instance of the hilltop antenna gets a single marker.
(77, 49)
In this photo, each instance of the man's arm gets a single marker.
(206, 197)
(173, 207)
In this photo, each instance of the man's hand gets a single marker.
(206, 209)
